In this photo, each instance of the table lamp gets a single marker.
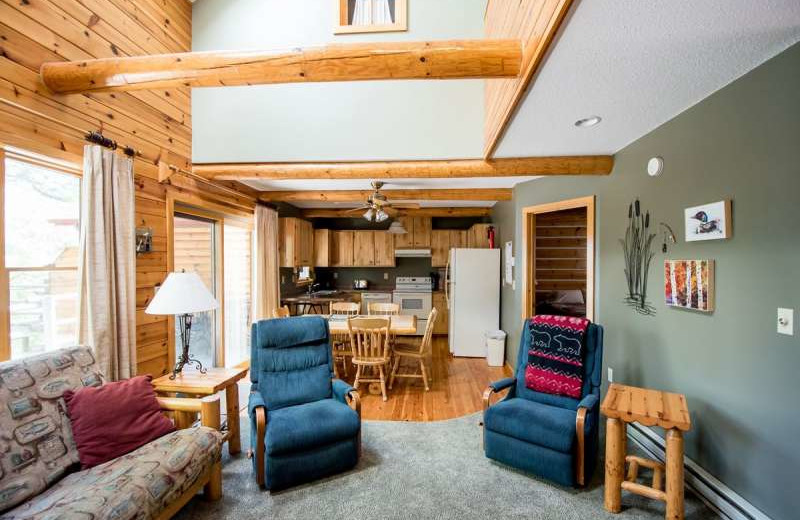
(183, 294)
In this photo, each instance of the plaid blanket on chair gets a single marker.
(555, 355)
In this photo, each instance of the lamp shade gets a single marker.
(396, 228)
(182, 293)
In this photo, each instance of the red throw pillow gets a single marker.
(114, 419)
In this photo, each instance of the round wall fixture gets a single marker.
(588, 121)
(655, 166)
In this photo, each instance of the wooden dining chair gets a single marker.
(282, 312)
(369, 341)
(383, 309)
(340, 343)
(417, 354)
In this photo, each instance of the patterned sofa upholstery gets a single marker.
(39, 460)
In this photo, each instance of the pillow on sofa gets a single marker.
(114, 419)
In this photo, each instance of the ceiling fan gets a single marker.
(378, 207)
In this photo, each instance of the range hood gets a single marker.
(412, 253)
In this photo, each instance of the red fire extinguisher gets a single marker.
(490, 236)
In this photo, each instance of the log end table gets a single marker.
(194, 383)
(627, 404)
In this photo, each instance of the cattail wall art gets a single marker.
(637, 248)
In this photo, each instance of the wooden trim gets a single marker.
(422, 212)
(261, 431)
(580, 470)
(446, 59)
(5, 325)
(529, 249)
(176, 505)
(458, 168)
(492, 194)
(400, 23)
(500, 107)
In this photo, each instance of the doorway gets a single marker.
(558, 258)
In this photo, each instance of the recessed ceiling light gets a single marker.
(587, 122)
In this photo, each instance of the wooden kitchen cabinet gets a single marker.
(363, 248)
(322, 248)
(342, 248)
(442, 319)
(478, 236)
(458, 238)
(384, 249)
(295, 242)
(422, 232)
(406, 240)
(440, 247)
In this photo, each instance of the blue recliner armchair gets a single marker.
(552, 436)
(303, 425)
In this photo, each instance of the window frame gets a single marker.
(343, 17)
(5, 271)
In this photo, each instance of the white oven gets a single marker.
(414, 296)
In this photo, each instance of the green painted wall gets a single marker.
(739, 375)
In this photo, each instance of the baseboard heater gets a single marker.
(719, 497)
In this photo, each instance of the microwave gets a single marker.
(360, 284)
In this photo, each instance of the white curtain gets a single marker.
(107, 261)
(372, 12)
(266, 287)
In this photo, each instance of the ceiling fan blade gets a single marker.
(405, 205)
(358, 209)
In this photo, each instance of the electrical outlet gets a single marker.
(385, 276)
(283, 279)
(610, 375)
(786, 321)
(335, 275)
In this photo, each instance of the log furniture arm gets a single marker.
(585, 406)
(185, 410)
(349, 396)
(257, 409)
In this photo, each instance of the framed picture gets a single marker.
(708, 222)
(689, 284)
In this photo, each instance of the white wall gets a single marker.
(334, 121)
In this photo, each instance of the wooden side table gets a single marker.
(192, 382)
(626, 404)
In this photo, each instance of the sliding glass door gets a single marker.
(238, 275)
(195, 248)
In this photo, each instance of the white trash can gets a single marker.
(495, 348)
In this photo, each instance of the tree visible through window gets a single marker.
(42, 212)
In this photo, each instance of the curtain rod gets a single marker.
(99, 139)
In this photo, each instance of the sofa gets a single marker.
(40, 476)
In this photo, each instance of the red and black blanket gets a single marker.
(555, 355)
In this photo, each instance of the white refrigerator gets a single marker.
(472, 285)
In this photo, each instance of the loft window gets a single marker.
(365, 16)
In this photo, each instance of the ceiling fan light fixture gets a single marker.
(396, 228)
(381, 216)
(370, 214)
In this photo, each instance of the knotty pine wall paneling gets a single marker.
(157, 123)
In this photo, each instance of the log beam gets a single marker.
(510, 167)
(421, 212)
(493, 194)
(340, 62)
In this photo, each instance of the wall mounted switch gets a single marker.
(385, 276)
(610, 375)
(283, 279)
(335, 275)
(786, 321)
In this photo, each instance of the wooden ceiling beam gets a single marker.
(511, 167)
(421, 212)
(448, 59)
(493, 194)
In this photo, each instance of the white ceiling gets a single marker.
(638, 64)
(635, 63)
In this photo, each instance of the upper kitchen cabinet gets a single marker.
(322, 248)
(478, 236)
(418, 233)
(296, 242)
(440, 247)
(384, 249)
(341, 254)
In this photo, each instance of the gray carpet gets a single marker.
(420, 471)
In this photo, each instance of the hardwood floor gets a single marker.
(456, 390)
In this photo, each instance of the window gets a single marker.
(40, 270)
(238, 273)
(364, 16)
